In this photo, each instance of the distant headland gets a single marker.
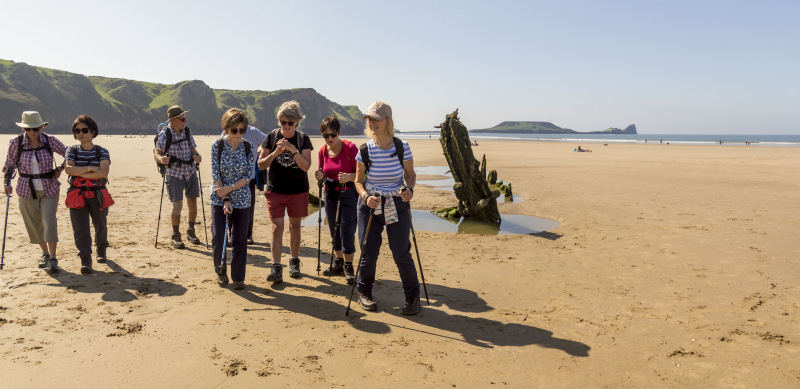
(123, 106)
(548, 128)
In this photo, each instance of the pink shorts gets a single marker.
(295, 204)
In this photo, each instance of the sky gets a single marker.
(670, 67)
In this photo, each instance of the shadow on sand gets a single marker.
(116, 285)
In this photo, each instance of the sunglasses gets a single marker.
(33, 129)
(331, 135)
(285, 123)
(182, 119)
(84, 130)
(235, 131)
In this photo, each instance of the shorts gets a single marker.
(295, 204)
(176, 186)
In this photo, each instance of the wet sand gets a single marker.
(672, 266)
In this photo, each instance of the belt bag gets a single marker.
(84, 188)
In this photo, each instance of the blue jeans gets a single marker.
(399, 242)
(239, 220)
(347, 216)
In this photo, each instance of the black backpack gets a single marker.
(162, 168)
(220, 146)
(273, 136)
(46, 145)
(398, 150)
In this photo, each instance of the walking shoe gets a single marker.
(366, 302)
(44, 261)
(412, 306)
(277, 273)
(238, 285)
(176, 241)
(222, 272)
(348, 273)
(250, 240)
(86, 264)
(336, 268)
(294, 267)
(52, 265)
(192, 237)
(101, 255)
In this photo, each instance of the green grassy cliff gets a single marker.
(123, 106)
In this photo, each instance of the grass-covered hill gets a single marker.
(547, 128)
(123, 106)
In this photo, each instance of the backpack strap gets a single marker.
(247, 148)
(398, 150)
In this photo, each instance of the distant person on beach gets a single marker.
(231, 171)
(87, 198)
(31, 154)
(181, 158)
(287, 153)
(337, 165)
(384, 194)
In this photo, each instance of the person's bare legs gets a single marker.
(294, 236)
(277, 240)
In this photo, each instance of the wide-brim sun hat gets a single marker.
(32, 119)
(175, 111)
(378, 111)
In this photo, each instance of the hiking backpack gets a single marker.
(398, 150)
(162, 168)
(220, 146)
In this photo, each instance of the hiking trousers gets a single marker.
(80, 226)
(398, 234)
(238, 226)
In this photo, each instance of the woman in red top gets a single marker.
(337, 165)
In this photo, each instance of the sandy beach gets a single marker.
(672, 266)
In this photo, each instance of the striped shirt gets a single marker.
(87, 157)
(386, 172)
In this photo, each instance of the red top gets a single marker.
(344, 162)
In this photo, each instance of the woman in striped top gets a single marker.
(384, 198)
(87, 165)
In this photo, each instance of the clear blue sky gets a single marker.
(669, 66)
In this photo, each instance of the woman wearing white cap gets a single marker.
(383, 163)
(37, 187)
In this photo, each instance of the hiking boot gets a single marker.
(412, 306)
(238, 285)
(52, 265)
(294, 267)
(222, 272)
(192, 237)
(44, 261)
(336, 268)
(250, 240)
(348, 273)
(366, 302)
(86, 264)
(101, 255)
(277, 273)
(176, 241)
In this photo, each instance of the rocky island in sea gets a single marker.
(547, 128)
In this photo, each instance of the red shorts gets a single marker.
(295, 204)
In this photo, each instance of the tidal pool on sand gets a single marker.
(426, 221)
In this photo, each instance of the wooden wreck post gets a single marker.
(475, 200)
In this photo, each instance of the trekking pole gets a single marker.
(223, 261)
(163, 182)
(416, 248)
(363, 243)
(202, 202)
(5, 227)
(319, 223)
(336, 231)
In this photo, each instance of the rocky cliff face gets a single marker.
(132, 107)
